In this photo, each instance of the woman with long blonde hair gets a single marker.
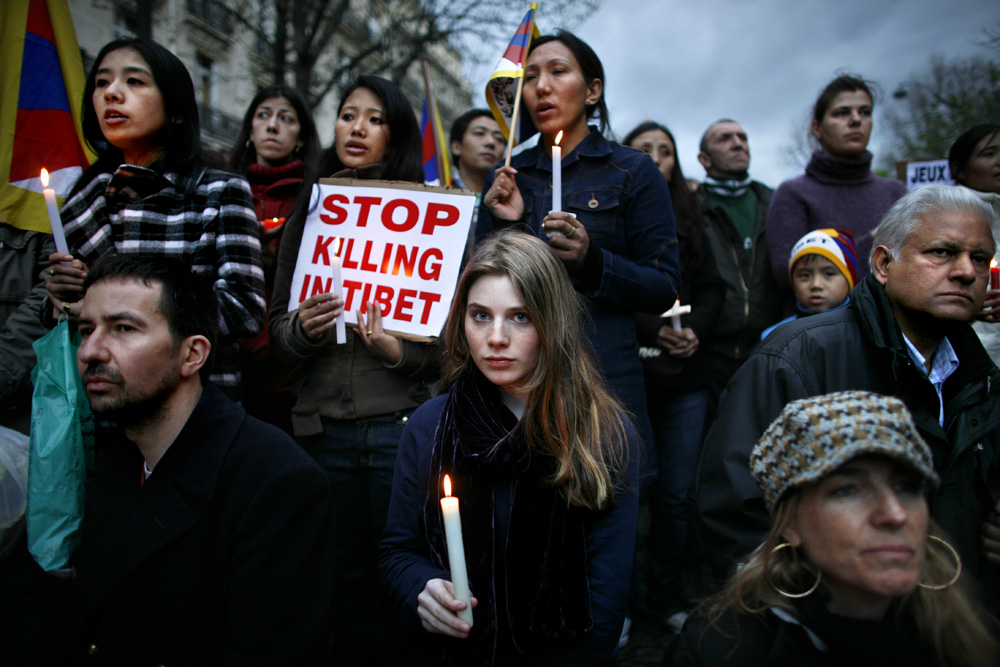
(853, 570)
(536, 448)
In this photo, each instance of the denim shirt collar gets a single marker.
(593, 145)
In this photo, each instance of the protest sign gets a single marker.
(397, 244)
(926, 172)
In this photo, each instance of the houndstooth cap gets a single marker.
(814, 436)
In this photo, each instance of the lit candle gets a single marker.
(675, 314)
(557, 173)
(54, 220)
(338, 289)
(456, 551)
(994, 275)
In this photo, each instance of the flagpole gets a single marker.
(432, 115)
(513, 119)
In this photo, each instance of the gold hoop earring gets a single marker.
(794, 596)
(958, 567)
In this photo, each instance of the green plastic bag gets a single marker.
(61, 451)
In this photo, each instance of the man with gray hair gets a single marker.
(906, 333)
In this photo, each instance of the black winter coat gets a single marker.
(808, 635)
(858, 347)
(753, 300)
(224, 556)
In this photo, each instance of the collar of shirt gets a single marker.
(944, 362)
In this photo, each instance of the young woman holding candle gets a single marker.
(277, 150)
(351, 401)
(537, 451)
(150, 192)
(676, 382)
(615, 233)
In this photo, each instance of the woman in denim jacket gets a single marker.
(615, 233)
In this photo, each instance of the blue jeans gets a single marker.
(359, 458)
(679, 426)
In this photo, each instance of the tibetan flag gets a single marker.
(432, 176)
(435, 153)
(41, 91)
(502, 86)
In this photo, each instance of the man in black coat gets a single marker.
(906, 334)
(207, 536)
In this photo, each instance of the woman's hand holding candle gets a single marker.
(64, 280)
(318, 314)
(681, 343)
(438, 609)
(572, 242)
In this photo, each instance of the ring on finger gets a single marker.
(52, 271)
(571, 232)
(369, 332)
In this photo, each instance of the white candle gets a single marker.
(456, 551)
(338, 289)
(557, 173)
(675, 314)
(54, 220)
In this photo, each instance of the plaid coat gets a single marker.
(205, 217)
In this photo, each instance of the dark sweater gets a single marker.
(842, 193)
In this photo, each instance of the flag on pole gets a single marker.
(436, 160)
(502, 86)
(41, 91)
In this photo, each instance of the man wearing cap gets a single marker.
(905, 333)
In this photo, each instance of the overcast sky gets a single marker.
(763, 62)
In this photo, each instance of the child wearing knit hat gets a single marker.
(823, 269)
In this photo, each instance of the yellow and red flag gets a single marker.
(41, 91)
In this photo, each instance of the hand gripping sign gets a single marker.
(398, 244)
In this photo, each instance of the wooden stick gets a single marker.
(513, 118)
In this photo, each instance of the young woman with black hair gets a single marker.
(277, 150)
(351, 401)
(677, 391)
(615, 231)
(150, 192)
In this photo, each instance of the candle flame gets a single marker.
(447, 486)
(275, 220)
(336, 246)
(45, 177)
(559, 137)
(993, 263)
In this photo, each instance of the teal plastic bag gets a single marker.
(61, 451)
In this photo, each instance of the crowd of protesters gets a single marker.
(816, 437)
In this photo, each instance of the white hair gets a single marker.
(905, 216)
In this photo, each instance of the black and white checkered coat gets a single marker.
(205, 217)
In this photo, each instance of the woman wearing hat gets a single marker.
(853, 570)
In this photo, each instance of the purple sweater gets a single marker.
(842, 193)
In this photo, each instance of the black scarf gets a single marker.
(545, 594)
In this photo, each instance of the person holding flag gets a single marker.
(613, 226)
(150, 191)
(42, 83)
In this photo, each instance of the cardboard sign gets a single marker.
(400, 245)
(927, 172)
